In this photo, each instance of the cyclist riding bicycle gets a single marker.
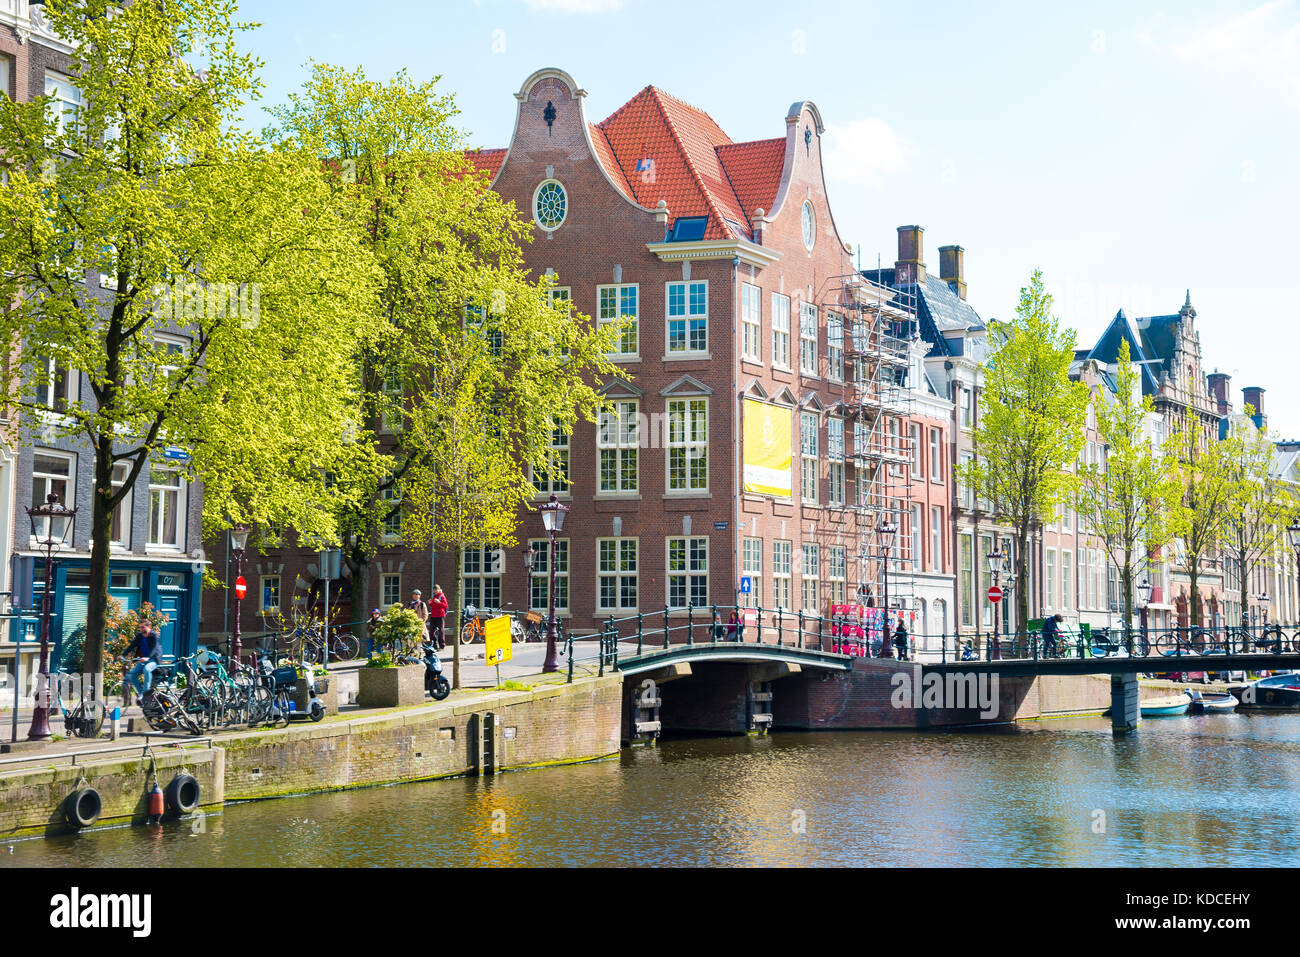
(1051, 633)
(146, 646)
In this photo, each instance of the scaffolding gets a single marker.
(878, 328)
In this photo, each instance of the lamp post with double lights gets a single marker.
(887, 530)
(995, 560)
(238, 542)
(50, 524)
(1144, 599)
(553, 513)
(1263, 600)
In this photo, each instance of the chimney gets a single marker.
(910, 266)
(952, 269)
(1219, 389)
(1254, 396)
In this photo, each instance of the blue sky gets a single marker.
(1131, 151)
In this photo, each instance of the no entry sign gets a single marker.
(241, 587)
(995, 594)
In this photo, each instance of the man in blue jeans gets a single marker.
(147, 648)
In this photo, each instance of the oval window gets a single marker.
(809, 226)
(550, 205)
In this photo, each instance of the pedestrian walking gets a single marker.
(900, 639)
(438, 617)
(421, 609)
(372, 626)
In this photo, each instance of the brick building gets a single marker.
(746, 307)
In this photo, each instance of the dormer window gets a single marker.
(687, 229)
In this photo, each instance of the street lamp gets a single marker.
(238, 542)
(1263, 608)
(887, 530)
(553, 521)
(1144, 599)
(995, 559)
(50, 525)
(1293, 533)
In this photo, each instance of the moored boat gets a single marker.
(1167, 707)
(1275, 691)
(1211, 702)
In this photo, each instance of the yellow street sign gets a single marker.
(496, 635)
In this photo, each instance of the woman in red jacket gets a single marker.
(437, 615)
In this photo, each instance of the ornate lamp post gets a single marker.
(553, 514)
(1144, 599)
(1293, 533)
(887, 530)
(50, 525)
(1263, 600)
(238, 542)
(995, 559)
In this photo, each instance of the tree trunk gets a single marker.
(1022, 581)
(1195, 593)
(101, 530)
(453, 612)
(1126, 583)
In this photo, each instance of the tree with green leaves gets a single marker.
(1130, 499)
(1030, 425)
(1202, 472)
(206, 287)
(479, 368)
(1261, 505)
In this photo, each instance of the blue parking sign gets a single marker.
(744, 585)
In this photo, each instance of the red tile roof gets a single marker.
(656, 147)
(487, 160)
(754, 170)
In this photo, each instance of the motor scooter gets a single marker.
(283, 682)
(434, 682)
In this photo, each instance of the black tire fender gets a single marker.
(82, 807)
(183, 794)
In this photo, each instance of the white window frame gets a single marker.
(916, 517)
(390, 528)
(936, 455)
(618, 440)
(49, 369)
(539, 582)
(690, 576)
(67, 98)
(1049, 568)
(751, 556)
(632, 334)
(809, 478)
(1067, 580)
(488, 563)
(619, 574)
(262, 605)
(751, 322)
(781, 332)
(837, 573)
(558, 450)
(808, 341)
(782, 573)
(966, 575)
(810, 579)
(159, 492)
(392, 390)
(835, 347)
(690, 319)
(936, 538)
(122, 510)
(49, 480)
(914, 436)
(691, 445)
(385, 580)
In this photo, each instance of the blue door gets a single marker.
(170, 604)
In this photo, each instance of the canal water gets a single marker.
(1212, 790)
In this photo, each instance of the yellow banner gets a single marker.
(496, 636)
(769, 449)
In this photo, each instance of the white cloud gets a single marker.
(573, 6)
(1263, 42)
(864, 152)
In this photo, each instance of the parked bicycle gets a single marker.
(83, 720)
(473, 620)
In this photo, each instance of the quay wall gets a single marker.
(547, 725)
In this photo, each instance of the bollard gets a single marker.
(116, 717)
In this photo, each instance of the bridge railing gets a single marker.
(862, 637)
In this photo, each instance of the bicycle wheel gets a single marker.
(345, 647)
(1169, 644)
(259, 704)
(1196, 641)
(467, 631)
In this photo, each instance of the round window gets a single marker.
(550, 205)
(809, 226)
